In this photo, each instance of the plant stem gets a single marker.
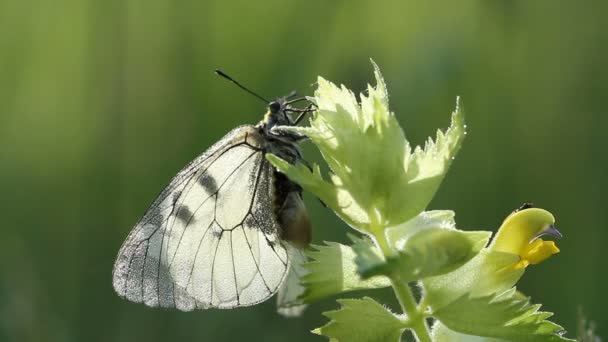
(410, 308)
(404, 294)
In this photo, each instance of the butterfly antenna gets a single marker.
(224, 75)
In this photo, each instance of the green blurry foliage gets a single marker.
(102, 102)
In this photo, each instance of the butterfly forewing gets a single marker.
(211, 238)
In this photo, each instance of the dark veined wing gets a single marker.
(211, 238)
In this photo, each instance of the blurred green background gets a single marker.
(102, 102)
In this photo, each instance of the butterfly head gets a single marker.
(276, 106)
(280, 111)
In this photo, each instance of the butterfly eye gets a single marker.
(274, 107)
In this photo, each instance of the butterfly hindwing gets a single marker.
(211, 238)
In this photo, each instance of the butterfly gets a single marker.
(223, 232)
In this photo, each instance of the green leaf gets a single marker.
(426, 245)
(441, 333)
(332, 270)
(376, 179)
(367, 256)
(424, 220)
(427, 167)
(508, 315)
(489, 272)
(362, 320)
(431, 252)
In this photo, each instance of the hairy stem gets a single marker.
(408, 304)
(404, 294)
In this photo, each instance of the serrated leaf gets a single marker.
(508, 315)
(367, 256)
(362, 320)
(427, 167)
(376, 179)
(441, 333)
(332, 270)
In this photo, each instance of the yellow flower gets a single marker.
(521, 233)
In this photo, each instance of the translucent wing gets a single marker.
(210, 239)
(288, 302)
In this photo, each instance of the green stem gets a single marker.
(404, 294)
(408, 304)
(410, 308)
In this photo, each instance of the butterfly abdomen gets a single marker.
(291, 212)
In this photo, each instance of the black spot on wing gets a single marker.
(208, 183)
(184, 214)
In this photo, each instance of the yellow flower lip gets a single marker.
(521, 234)
(536, 252)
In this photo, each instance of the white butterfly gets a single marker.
(220, 235)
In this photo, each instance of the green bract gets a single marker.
(332, 271)
(348, 324)
(376, 180)
(508, 315)
(425, 246)
(381, 188)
